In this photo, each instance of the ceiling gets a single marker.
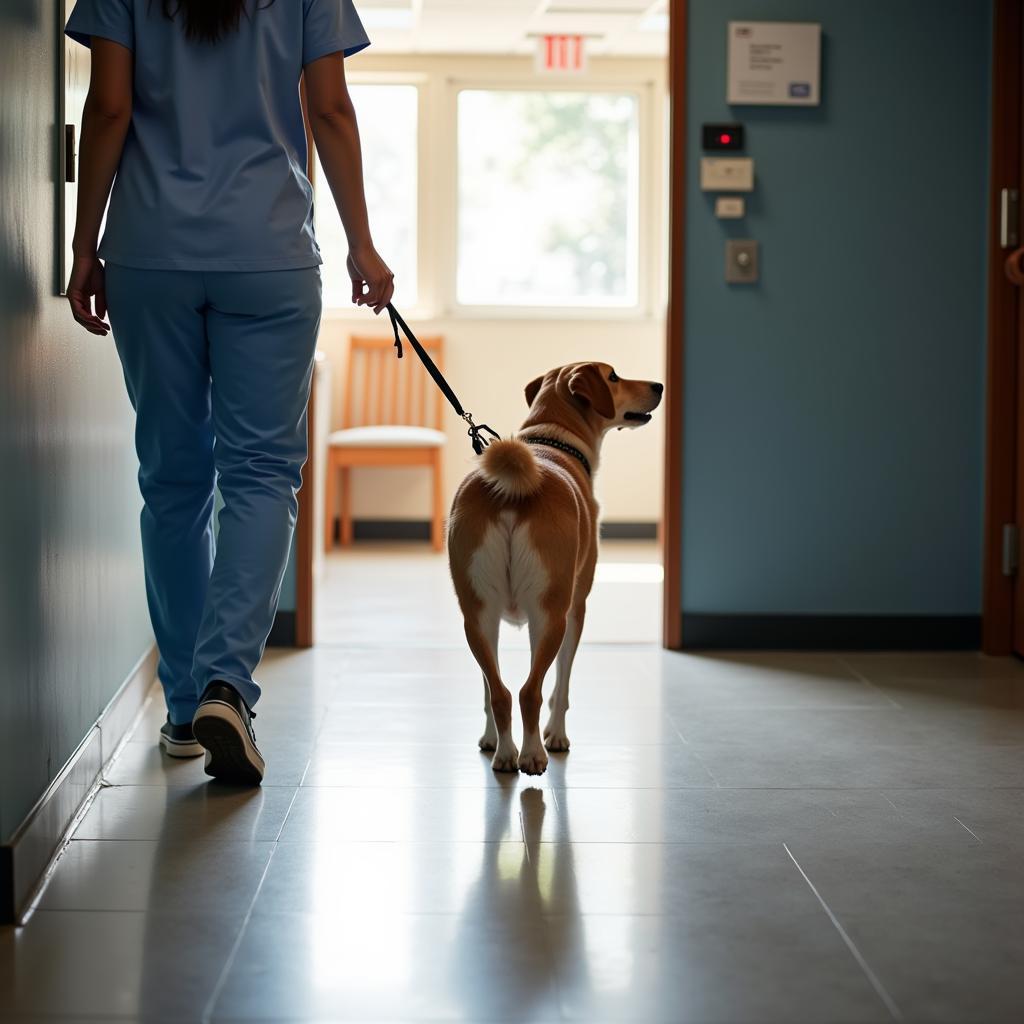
(613, 27)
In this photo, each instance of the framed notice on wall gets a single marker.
(774, 63)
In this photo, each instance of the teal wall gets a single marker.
(73, 619)
(834, 412)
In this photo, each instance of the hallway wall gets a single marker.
(834, 412)
(73, 620)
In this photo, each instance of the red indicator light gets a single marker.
(725, 139)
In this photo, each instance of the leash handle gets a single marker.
(476, 431)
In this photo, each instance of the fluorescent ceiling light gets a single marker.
(654, 23)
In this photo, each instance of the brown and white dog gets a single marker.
(522, 544)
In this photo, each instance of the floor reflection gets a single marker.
(387, 874)
(190, 874)
(512, 897)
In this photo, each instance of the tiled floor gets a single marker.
(734, 838)
(400, 592)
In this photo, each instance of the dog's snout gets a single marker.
(657, 388)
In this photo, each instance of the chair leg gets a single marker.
(437, 519)
(346, 507)
(330, 502)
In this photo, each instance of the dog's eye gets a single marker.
(613, 377)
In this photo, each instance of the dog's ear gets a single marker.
(588, 383)
(532, 388)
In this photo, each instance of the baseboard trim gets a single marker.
(831, 632)
(25, 858)
(283, 632)
(629, 531)
(419, 530)
(391, 529)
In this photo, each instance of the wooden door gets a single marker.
(1003, 598)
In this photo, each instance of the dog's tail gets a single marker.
(511, 468)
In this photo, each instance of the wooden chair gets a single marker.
(396, 422)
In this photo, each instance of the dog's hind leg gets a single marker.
(547, 630)
(482, 636)
(489, 740)
(555, 738)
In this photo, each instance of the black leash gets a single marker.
(476, 432)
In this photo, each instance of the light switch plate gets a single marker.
(742, 261)
(730, 207)
(726, 174)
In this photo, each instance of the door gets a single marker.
(1003, 598)
(1013, 267)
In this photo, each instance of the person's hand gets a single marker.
(373, 284)
(86, 287)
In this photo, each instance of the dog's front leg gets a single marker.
(482, 636)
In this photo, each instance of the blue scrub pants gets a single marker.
(218, 368)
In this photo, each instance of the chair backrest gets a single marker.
(383, 389)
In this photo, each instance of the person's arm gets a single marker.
(332, 119)
(105, 120)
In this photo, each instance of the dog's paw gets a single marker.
(556, 741)
(506, 762)
(487, 742)
(533, 763)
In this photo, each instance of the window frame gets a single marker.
(421, 81)
(437, 183)
(643, 214)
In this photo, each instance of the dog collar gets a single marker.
(562, 446)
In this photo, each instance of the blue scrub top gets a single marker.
(213, 172)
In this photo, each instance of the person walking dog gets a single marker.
(209, 273)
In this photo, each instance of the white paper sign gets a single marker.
(774, 63)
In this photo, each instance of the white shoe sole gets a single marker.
(230, 754)
(180, 748)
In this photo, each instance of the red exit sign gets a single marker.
(562, 54)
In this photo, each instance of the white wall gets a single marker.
(488, 364)
(490, 360)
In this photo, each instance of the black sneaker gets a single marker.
(223, 725)
(179, 740)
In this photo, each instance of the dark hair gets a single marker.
(207, 21)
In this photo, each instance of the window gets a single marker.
(387, 129)
(494, 194)
(547, 198)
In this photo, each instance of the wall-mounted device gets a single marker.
(742, 261)
(726, 174)
(730, 207)
(722, 136)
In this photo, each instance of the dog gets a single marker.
(522, 544)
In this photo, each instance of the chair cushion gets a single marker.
(387, 437)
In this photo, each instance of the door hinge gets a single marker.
(1009, 218)
(1011, 549)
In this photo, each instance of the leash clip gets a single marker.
(476, 432)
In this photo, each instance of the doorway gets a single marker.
(438, 95)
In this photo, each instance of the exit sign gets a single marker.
(561, 55)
